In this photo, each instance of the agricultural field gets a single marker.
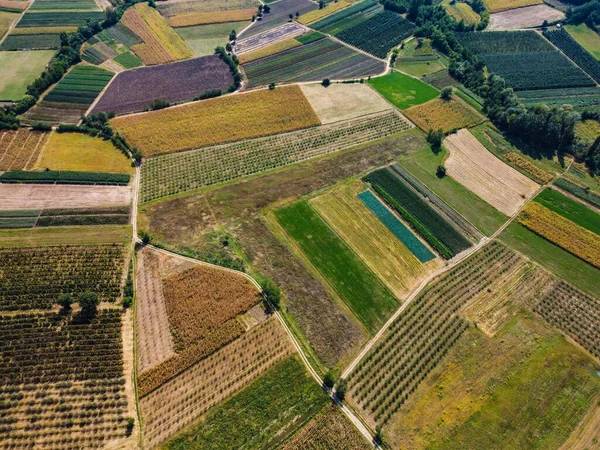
(581, 192)
(315, 61)
(440, 79)
(57, 19)
(172, 174)
(587, 38)
(112, 45)
(20, 149)
(494, 6)
(6, 20)
(443, 114)
(19, 69)
(347, 17)
(268, 37)
(202, 39)
(209, 122)
(207, 18)
(403, 91)
(588, 130)
(160, 44)
(17, 40)
(488, 177)
(269, 50)
(80, 152)
(579, 98)
(31, 218)
(279, 15)
(328, 9)
(63, 5)
(65, 177)
(528, 17)
(64, 235)
(178, 7)
(575, 52)
(420, 67)
(570, 209)
(135, 90)
(461, 11)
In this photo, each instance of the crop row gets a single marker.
(20, 149)
(65, 177)
(81, 85)
(504, 42)
(63, 217)
(330, 23)
(58, 18)
(554, 93)
(576, 52)
(35, 277)
(30, 42)
(172, 174)
(578, 191)
(539, 175)
(419, 338)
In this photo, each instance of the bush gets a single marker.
(89, 302)
(434, 138)
(159, 104)
(446, 93)
(329, 380)
(326, 82)
(65, 301)
(271, 86)
(127, 302)
(146, 238)
(441, 172)
(39, 126)
(271, 292)
(341, 389)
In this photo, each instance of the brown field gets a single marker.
(566, 234)
(482, 173)
(217, 121)
(494, 6)
(155, 342)
(20, 149)
(269, 50)
(536, 172)
(447, 115)
(203, 18)
(184, 399)
(39, 196)
(13, 4)
(55, 113)
(531, 16)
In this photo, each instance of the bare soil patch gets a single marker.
(268, 37)
(531, 16)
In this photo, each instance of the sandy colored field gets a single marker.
(13, 4)
(482, 173)
(343, 101)
(531, 16)
(268, 37)
(370, 239)
(317, 14)
(6, 20)
(217, 121)
(494, 6)
(447, 115)
(19, 69)
(155, 342)
(38, 196)
(42, 30)
(80, 152)
(269, 50)
(20, 149)
(175, 7)
(203, 18)
(87, 235)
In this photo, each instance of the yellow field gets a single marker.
(6, 20)
(522, 163)
(588, 130)
(43, 30)
(447, 115)
(219, 120)
(84, 235)
(494, 6)
(203, 18)
(566, 234)
(161, 44)
(462, 11)
(280, 46)
(79, 152)
(317, 14)
(371, 240)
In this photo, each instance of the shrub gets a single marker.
(89, 301)
(446, 93)
(326, 82)
(146, 238)
(65, 301)
(341, 389)
(329, 380)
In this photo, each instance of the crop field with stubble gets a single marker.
(443, 114)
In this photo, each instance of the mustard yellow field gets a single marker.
(444, 114)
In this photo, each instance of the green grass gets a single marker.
(552, 257)
(19, 69)
(423, 165)
(357, 286)
(202, 39)
(587, 38)
(419, 68)
(403, 91)
(570, 209)
(260, 416)
(128, 60)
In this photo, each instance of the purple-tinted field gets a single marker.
(134, 90)
(279, 15)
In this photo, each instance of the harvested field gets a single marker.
(19, 69)
(536, 173)
(339, 102)
(13, 4)
(529, 17)
(135, 90)
(205, 18)
(494, 6)
(20, 149)
(482, 173)
(185, 398)
(52, 236)
(211, 121)
(40, 196)
(268, 37)
(177, 7)
(273, 49)
(318, 14)
(443, 114)
(280, 11)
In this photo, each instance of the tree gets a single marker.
(266, 9)
(297, 14)
(130, 424)
(232, 36)
(291, 16)
(145, 236)
(271, 292)
(379, 436)
(326, 82)
(127, 302)
(271, 86)
(340, 390)
(152, 4)
(65, 301)
(441, 171)
(434, 138)
(329, 380)
(446, 93)
(321, 4)
(89, 301)
(228, 47)
(592, 157)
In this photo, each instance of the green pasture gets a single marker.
(587, 38)
(419, 68)
(19, 69)
(202, 39)
(403, 91)
(570, 209)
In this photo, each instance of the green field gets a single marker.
(58, 18)
(262, 415)
(570, 209)
(587, 38)
(402, 90)
(128, 60)
(423, 165)
(81, 85)
(64, 5)
(552, 257)
(419, 68)
(19, 69)
(356, 285)
(202, 39)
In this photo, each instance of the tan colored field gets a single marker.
(177, 7)
(203, 18)
(13, 4)
(522, 163)
(155, 342)
(20, 149)
(344, 101)
(482, 173)
(80, 152)
(531, 16)
(494, 6)
(217, 121)
(447, 115)
(43, 30)
(85, 235)
(185, 398)
(269, 50)
(6, 20)
(317, 14)
(370, 239)
(161, 44)
(38, 196)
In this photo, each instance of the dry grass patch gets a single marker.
(20, 149)
(269, 50)
(42, 30)
(482, 173)
(494, 6)
(524, 164)
(79, 152)
(317, 14)
(178, 7)
(203, 18)
(343, 101)
(531, 16)
(12, 4)
(445, 114)
(217, 121)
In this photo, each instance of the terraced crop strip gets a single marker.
(182, 400)
(58, 18)
(312, 62)
(329, 8)
(576, 52)
(20, 149)
(419, 338)
(16, 41)
(172, 174)
(61, 380)
(35, 277)
(579, 98)
(578, 191)
(347, 17)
